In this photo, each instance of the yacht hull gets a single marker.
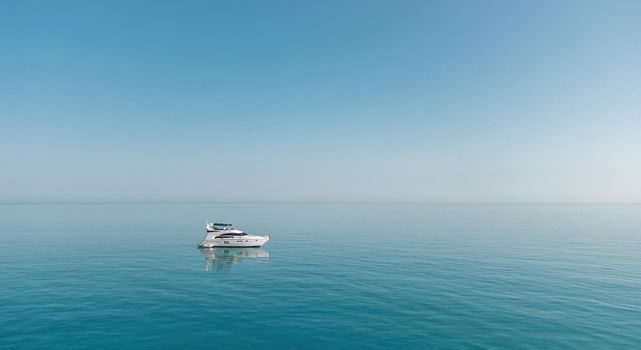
(242, 242)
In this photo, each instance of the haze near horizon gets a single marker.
(332, 100)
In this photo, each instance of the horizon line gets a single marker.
(104, 202)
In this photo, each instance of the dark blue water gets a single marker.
(363, 276)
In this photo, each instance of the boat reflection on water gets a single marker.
(222, 259)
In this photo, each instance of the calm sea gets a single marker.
(334, 276)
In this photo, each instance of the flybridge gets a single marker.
(220, 224)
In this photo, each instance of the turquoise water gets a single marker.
(363, 276)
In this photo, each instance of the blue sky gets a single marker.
(320, 100)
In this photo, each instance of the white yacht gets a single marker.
(225, 235)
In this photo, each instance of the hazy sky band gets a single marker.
(344, 100)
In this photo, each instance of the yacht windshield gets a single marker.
(226, 235)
